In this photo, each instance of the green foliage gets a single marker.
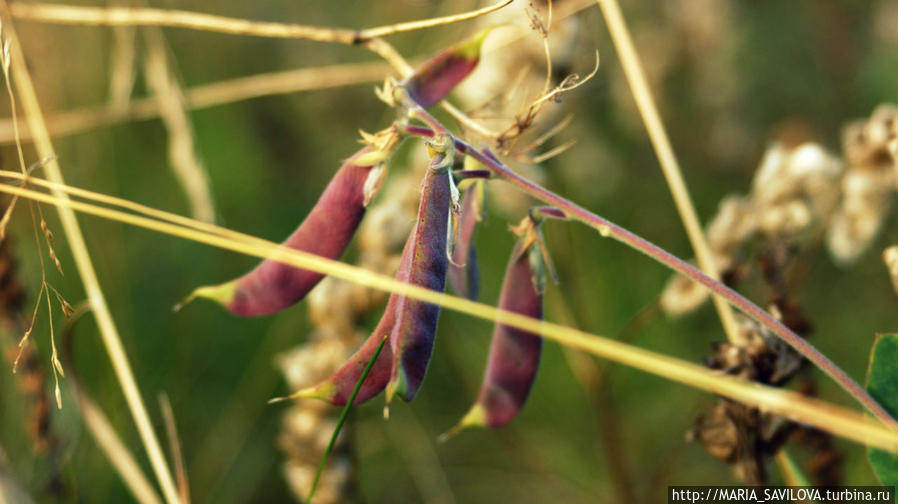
(882, 384)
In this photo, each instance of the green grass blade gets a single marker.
(342, 420)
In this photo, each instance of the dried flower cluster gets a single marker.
(740, 435)
(868, 185)
(512, 74)
(800, 196)
(794, 194)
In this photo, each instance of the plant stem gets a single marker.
(609, 229)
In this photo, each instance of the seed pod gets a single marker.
(439, 75)
(326, 231)
(413, 335)
(514, 354)
(337, 389)
(464, 275)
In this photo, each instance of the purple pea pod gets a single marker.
(326, 231)
(464, 275)
(337, 389)
(434, 79)
(413, 334)
(514, 354)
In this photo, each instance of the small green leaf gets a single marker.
(882, 385)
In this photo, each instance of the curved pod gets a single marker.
(326, 231)
(413, 335)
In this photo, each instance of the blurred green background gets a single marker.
(729, 77)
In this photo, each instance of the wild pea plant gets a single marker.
(765, 347)
(411, 342)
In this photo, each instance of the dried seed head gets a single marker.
(865, 142)
(867, 200)
(734, 223)
(682, 296)
(385, 229)
(333, 487)
(758, 356)
(325, 311)
(794, 195)
(312, 362)
(737, 434)
(797, 188)
(867, 187)
(742, 437)
(789, 219)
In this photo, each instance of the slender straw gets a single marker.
(145, 16)
(669, 165)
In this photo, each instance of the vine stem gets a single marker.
(609, 229)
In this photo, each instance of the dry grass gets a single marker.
(76, 121)
(108, 330)
(182, 153)
(141, 16)
(669, 165)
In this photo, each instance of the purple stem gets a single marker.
(473, 174)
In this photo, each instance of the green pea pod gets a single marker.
(326, 231)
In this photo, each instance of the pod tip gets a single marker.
(223, 294)
(475, 417)
(316, 392)
(390, 391)
(471, 47)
